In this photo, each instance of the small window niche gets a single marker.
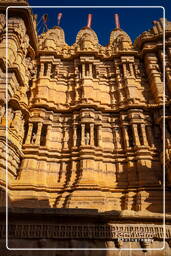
(34, 132)
(43, 135)
(78, 142)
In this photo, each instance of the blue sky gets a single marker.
(133, 20)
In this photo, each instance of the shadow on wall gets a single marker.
(30, 202)
(31, 217)
(144, 184)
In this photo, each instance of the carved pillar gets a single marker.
(42, 69)
(124, 69)
(131, 69)
(48, 135)
(135, 134)
(150, 136)
(126, 136)
(39, 129)
(65, 138)
(117, 138)
(30, 129)
(144, 136)
(82, 134)
(48, 69)
(154, 76)
(92, 134)
(74, 135)
(83, 70)
(90, 69)
(99, 135)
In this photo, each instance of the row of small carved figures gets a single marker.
(96, 231)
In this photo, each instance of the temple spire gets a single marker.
(117, 23)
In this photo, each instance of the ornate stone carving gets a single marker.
(10, 116)
(87, 138)
(119, 40)
(111, 231)
(2, 22)
(108, 160)
(17, 121)
(17, 25)
(52, 40)
(86, 40)
(31, 69)
(2, 112)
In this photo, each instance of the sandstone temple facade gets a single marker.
(82, 139)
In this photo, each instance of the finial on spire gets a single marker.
(59, 18)
(45, 18)
(89, 20)
(117, 23)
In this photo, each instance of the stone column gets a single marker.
(144, 136)
(117, 138)
(83, 70)
(48, 135)
(29, 133)
(131, 69)
(124, 69)
(150, 136)
(90, 69)
(65, 138)
(126, 136)
(154, 74)
(82, 134)
(38, 135)
(92, 134)
(135, 134)
(42, 67)
(48, 69)
(74, 135)
(99, 135)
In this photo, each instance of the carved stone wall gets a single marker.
(84, 123)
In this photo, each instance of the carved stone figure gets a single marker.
(10, 116)
(87, 138)
(33, 139)
(30, 67)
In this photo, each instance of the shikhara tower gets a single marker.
(85, 131)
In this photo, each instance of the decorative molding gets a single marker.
(107, 232)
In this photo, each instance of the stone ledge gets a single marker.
(74, 212)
